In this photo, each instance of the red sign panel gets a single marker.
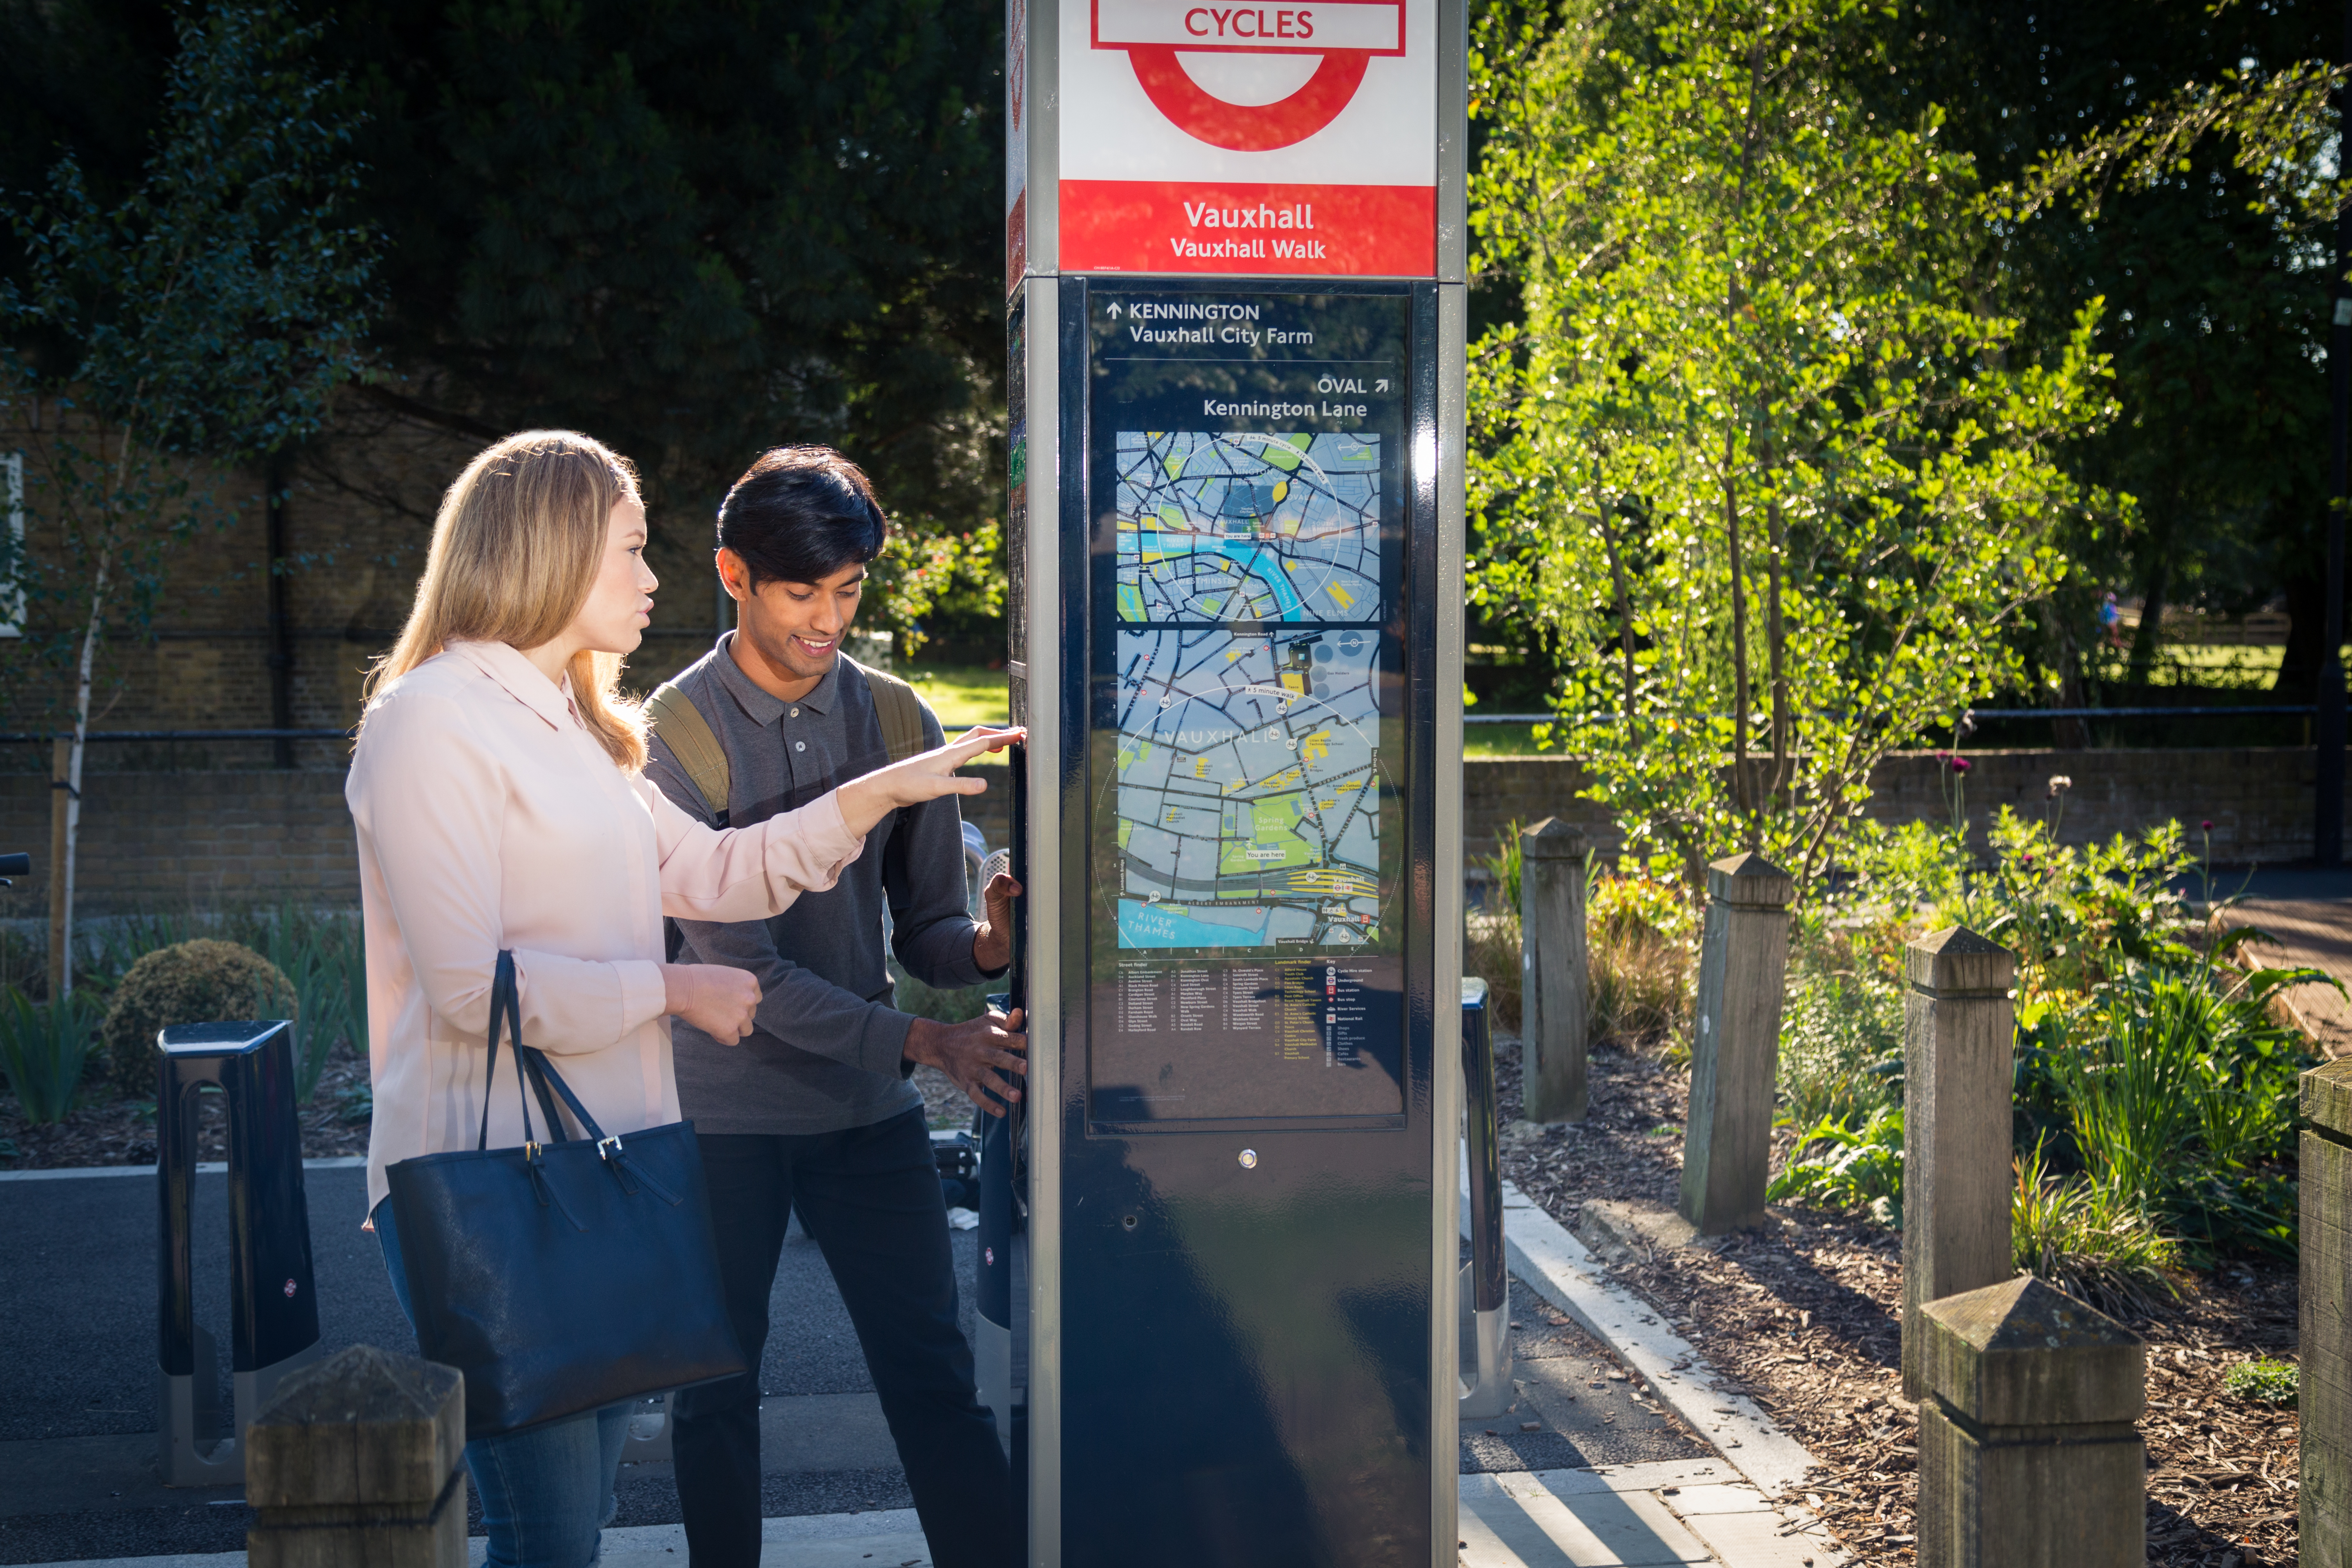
(1248, 140)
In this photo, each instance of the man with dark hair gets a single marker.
(814, 1111)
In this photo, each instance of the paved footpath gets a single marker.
(2309, 915)
(1585, 1472)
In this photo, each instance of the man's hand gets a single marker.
(716, 998)
(974, 1053)
(991, 940)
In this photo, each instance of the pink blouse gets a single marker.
(488, 817)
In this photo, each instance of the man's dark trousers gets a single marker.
(869, 1197)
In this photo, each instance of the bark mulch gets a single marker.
(122, 1130)
(1804, 1317)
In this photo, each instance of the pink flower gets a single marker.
(2208, 825)
(1959, 765)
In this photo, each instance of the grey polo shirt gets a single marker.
(826, 1051)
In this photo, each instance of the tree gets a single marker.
(203, 318)
(699, 231)
(694, 231)
(1759, 446)
(2176, 157)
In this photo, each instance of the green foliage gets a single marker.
(1757, 454)
(1492, 948)
(2146, 1062)
(2084, 1236)
(208, 313)
(2181, 1092)
(2181, 166)
(1841, 1031)
(699, 231)
(43, 1048)
(1501, 867)
(910, 995)
(326, 960)
(203, 317)
(2263, 1381)
(1849, 1164)
(188, 983)
(1641, 935)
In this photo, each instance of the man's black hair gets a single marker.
(800, 514)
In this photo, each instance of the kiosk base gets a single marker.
(190, 1455)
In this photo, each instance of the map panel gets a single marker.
(1247, 792)
(1246, 526)
(1247, 521)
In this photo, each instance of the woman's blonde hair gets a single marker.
(516, 548)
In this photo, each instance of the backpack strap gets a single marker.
(687, 734)
(899, 707)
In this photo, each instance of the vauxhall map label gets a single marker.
(1248, 509)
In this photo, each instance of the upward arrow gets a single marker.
(1114, 309)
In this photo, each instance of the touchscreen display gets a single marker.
(1247, 503)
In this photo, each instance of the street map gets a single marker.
(1248, 527)
(1248, 784)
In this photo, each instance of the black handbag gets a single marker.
(565, 1276)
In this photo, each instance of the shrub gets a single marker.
(1841, 1032)
(1491, 950)
(43, 1048)
(324, 957)
(2264, 1380)
(2089, 1241)
(188, 983)
(2144, 1060)
(910, 995)
(1638, 933)
(1841, 1166)
(2178, 1090)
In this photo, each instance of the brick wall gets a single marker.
(2258, 799)
(173, 840)
(163, 840)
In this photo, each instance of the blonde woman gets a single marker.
(497, 795)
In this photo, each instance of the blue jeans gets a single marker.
(547, 1492)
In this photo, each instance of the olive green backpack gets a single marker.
(689, 735)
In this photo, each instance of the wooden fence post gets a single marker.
(2325, 1498)
(357, 1459)
(1959, 1024)
(1743, 970)
(2028, 1454)
(1554, 976)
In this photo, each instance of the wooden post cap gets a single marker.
(1749, 881)
(2024, 1353)
(362, 1426)
(2327, 1096)
(1957, 961)
(1552, 839)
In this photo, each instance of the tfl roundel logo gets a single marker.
(1345, 34)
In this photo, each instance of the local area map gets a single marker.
(1248, 782)
(1248, 527)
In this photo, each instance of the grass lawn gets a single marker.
(965, 695)
(962, 695)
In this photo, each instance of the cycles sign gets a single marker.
(1249, 138)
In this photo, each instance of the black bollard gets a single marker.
(273, 1304)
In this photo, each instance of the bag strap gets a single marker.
(624, 1170)
(688, 736)
(899, 708)
(506, 1007)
